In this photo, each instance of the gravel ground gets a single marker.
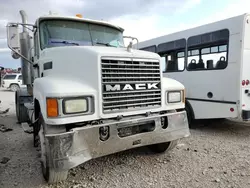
(215, 155)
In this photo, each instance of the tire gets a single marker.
(14, 87)
(21, 111)
(190, 115)
(49, 174)
(163, 147)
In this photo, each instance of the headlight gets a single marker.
(173, 96)
(77, 105)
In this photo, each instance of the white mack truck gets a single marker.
(88, 95)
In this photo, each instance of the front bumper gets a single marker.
(70, 149)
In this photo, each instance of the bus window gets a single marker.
(181, 60)
(174, 51)
(208, 50)
(171, 64)
(205, 51)
(163, 64)
(214, 49)
(193, 59)
(174, 61)
(223, 48)
(214, 57)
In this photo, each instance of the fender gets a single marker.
(59, 88)
(24, 96)
(169, 84)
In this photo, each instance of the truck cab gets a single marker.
(88, 95)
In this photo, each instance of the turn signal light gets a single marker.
(52, 107)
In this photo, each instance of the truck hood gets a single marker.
(82, 64)
(104, 51)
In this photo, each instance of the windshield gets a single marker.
(65, 32)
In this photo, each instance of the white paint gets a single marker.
(80, 76)
(76, 72)
(4, 50)
(224, 84)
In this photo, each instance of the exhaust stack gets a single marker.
(24, 19)
(25, 43)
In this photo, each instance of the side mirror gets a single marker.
(13, 40)
(131, 42)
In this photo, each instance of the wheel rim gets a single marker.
(14, 87)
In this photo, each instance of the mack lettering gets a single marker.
(126, 87)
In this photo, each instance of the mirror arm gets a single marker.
(23, 24)
(13, 48)
(133, 38)
(20, 54)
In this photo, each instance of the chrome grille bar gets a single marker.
(130, 85)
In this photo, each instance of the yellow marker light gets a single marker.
(79, 15)
(52, 107)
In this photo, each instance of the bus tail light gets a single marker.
(243, 82)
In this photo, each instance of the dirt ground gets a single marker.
(215, 155)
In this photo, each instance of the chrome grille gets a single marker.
(117, 74)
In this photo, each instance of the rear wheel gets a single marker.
(21, 111)
(14, 87)
(190, 115)
(49, 174)
(163, 147)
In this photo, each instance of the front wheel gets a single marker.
(49, 174)
(14, 87)
(163, 147)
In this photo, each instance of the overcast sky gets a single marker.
(143, 19)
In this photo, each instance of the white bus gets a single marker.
(213, 63)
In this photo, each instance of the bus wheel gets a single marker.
(190, 115)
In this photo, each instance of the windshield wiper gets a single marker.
(65, 42)
(106, 44)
